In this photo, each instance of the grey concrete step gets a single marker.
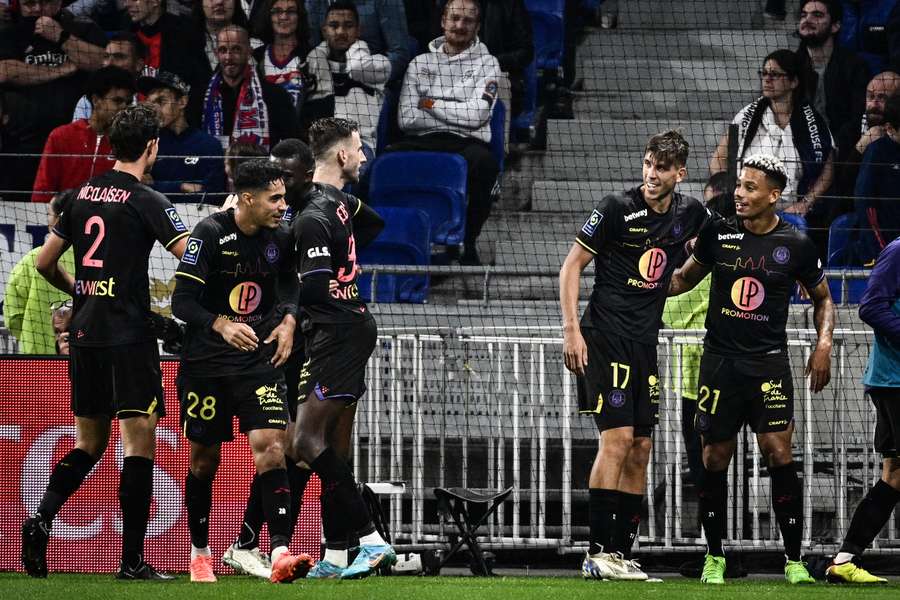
(581, 197)
(689, 14)
(629, 135)
(661, 105)
(664, 74)
(601, 165)
(534, 253)
(516, 227)
(617, 44)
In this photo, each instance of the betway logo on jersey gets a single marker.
(94, 287)
(730, 236)
(228, 238)
(318, 252)
(635, 215)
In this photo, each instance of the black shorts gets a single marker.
(620, 386)
(336, 358)
(116, 381)
(887, 423)
(755, 390)
(208, 405)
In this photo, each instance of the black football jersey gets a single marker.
(753, 278)
(635, 253)
(325, 244)
(240, 274)
(112, 225)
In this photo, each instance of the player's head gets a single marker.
(259, 185)
(340, 30)
(665, 157)
(335, 143)
(762, 179)
(296, 159)
(134, 135)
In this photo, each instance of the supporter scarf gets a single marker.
(810, 134)
(251, 117)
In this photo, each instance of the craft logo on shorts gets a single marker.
(272, 252)
(192, 251)
(747, 293)
(177, 223)
(245, 297)
(781, 255)
(653, 264)
(617, 398)
(590, 226)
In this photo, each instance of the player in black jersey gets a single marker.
(745, 375)
(113, 223)
(340, 336)
(636, 239)
(237, 285)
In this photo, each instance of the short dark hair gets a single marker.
(772, 166)
(477, 4)
(892, 110)
(131, 130)
(293, 149)
(668, 148)
(240, 152)
(719, 183)
(342, 5)
(325, 133)
(61, 202)
(834, 7)
(256, 174)
(109, 78)
(137, 46)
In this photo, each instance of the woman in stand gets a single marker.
(282, 60)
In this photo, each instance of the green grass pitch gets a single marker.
(15, 586)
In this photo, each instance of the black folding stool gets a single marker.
(454, 503)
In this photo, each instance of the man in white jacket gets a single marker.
(445, 106)
(349, 79)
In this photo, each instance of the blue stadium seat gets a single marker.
(405, 240)
(549, 32)
(796, 220)
(498, 133)
(434, 182)
(522, 122)
(387, 118)
(839, 256)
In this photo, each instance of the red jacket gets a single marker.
(58, 173)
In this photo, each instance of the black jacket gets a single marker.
(181, 51)
(846, 77)
(506, 31)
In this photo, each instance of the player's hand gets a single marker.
(284, 335)
(575, 351)
(818, 369)
(874, 133)
(426, 103)
(332, 286)
(236, 335)
(48, 29)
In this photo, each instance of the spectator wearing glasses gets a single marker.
(282, 58)
(29, 298)
(782, 122)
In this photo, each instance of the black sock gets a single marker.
(336, 474)
(602, 507)
(334, 528)
(66, 478)
(298, 478)
(135, 494)
(628, 519)
(198, 499)
(870, 517)
(276, 501)
(253, 517)
(787, 499)
(713, 498)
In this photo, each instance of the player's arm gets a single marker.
(47, 263)
(574, 348)
(367, 224)
(818, 369)
(314, 260)
(288, 292)
(882, 291)
(688, 276)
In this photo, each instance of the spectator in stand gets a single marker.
(28, 296)
(856, 136)
(172, 44)
(506, 31)
(125, 51)
(282, 60)
(878, 187)
(382, 26)
(445, 106)
(46, 56)
(77, 151)
(872, 30)
(349, 79)
(10, 180)
(210, 16)
(836, 77)
(718, 184)
(784, 123)
(423, 21)
(190, 167)
(239, 105)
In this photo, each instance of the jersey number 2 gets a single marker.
(88, 260)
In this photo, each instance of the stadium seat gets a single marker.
(839, 255)
(434, 182)
(796, 220)
(498, 133)
(405, 240)
(549, 32)
(469, 511)
(522, 122)
(387, 129)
